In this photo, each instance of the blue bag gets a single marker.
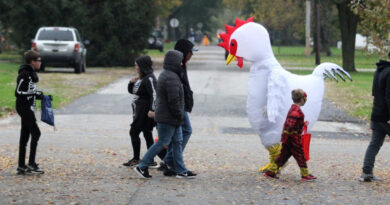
(47, 111)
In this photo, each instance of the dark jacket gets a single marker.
(381, 92)
(185, 46)
(26, 91)
(145, 95)
(188, 94)
(170, 94)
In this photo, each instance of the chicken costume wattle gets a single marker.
(270, 85)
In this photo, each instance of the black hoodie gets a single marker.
(144, 99)
(26, 88)
(381, 92)
(185, 46)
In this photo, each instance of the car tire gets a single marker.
(78, 68)
(84, 66)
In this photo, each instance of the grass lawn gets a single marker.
(65, 87)
(353, 97)
(294, 56)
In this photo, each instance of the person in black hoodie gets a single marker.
(144, 105)
(26, 94)
(186, 47)
(380, 117)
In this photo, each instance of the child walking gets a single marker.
(26, 94)
(291, 138)
(144, 104)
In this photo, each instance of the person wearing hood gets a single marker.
(169, 116)
(186, 47)
(26, 94)
(380, 117)
(143, 93)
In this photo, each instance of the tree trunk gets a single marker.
(307, 28)
(348, 24)
(325, 27)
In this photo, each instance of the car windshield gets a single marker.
(56, 35)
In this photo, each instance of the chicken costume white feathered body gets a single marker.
(270, 85)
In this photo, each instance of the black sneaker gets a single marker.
(169, 172)
(153, 165)
(23, 170)
(144, 173)
(162, 167)
(131, 162)
(368, 178)
(186, 175)
(35, 169)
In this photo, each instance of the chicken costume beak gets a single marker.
(230, 59)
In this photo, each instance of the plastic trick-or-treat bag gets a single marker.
(47, 115)
(306, 137)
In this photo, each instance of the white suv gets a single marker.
(61, 47)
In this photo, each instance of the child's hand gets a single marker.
(306, 123)
(151, 114)
(133, 80)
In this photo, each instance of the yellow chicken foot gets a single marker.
(274, 151)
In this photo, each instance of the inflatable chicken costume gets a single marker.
(270, 85)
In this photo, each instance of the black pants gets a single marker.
(379, 132)
(29, 127)
(136, 142)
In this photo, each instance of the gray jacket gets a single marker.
(170, 94)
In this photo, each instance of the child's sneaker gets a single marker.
(131, 162)
(144, 173)
(162, 166)
(153, 165)
(308, 178)
(23, 170)
(270, 174)
(35, 169)
(186, 175)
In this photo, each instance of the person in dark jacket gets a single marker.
(26, 94)
(169, 116)
(186, 47)
(143, 93)
(380, 117)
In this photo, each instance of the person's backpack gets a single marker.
(47, 115)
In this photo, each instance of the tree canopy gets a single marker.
(117, 30)
(375, 21)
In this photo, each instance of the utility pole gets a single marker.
(308, 9)
(317, 38)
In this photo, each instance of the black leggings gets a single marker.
(29, 126)
(136, 142)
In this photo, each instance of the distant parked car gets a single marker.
(61, 47)
(156, 40)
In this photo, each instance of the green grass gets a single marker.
(294, 56)
(353, 97)
(8, 73)
(65, 87)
